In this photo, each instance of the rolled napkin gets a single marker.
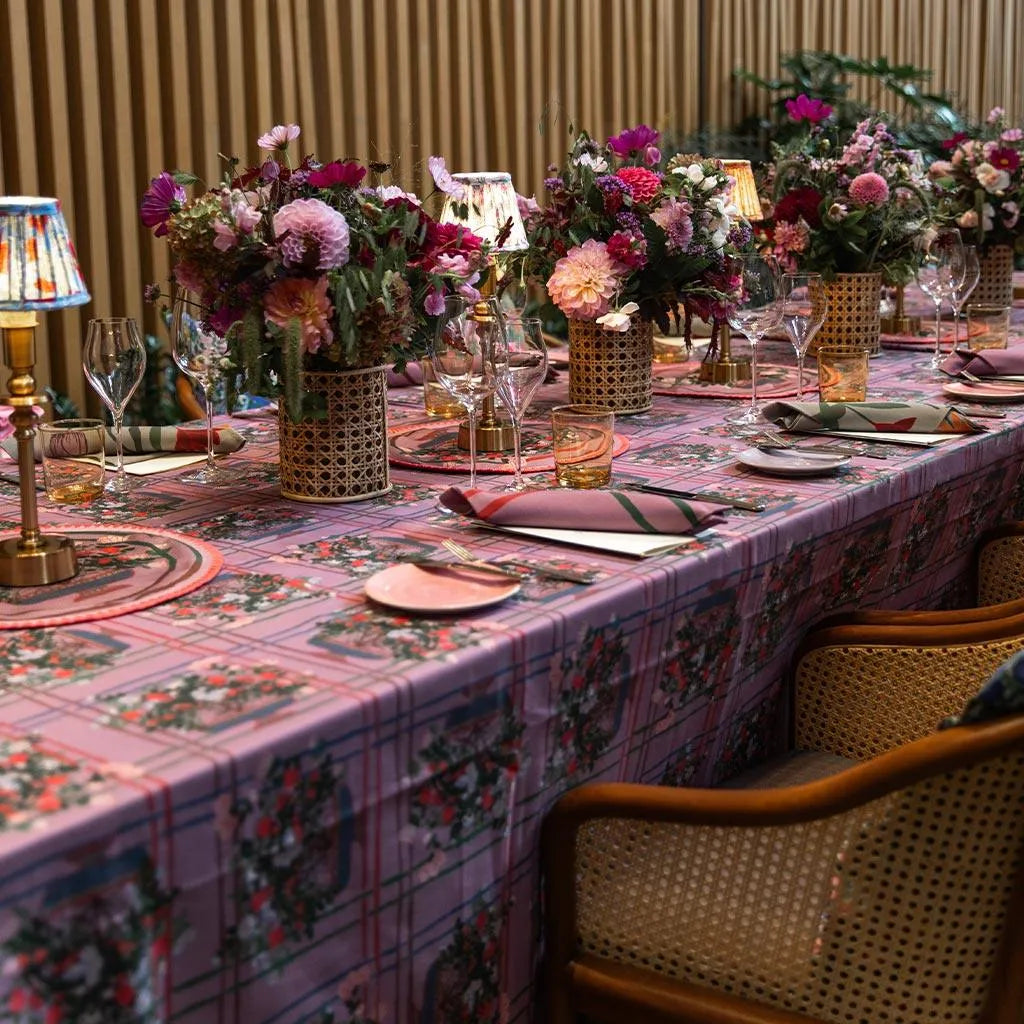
(868, 417)
(412, 377)
(143, 440)
(619, 511)
(989, 362)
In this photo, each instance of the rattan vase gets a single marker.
(611, 368)
(344, 455)
(995, 285)
(853, 319)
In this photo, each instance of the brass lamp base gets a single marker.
(496, 436)
(901, 324)
(49, 560)
(725, 371)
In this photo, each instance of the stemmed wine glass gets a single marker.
(940, 274)
(804, 305)
(756, 309)
(972, 275)
(200, 353)
(520, 359)
(114, 360)
(460, 353)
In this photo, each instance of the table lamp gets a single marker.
(489, 208)
(38, 270)
(720, 367)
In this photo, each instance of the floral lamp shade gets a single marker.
(490, 205)
(38, 267)
(744, 192)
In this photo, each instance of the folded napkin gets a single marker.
(620, 511)
(140, 440)
(412, 377)
(868, 417)
(989, 362)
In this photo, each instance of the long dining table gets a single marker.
(270, 799)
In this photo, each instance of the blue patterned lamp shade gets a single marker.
(38, 268)
(490, 203)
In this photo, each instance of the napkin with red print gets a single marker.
(870, 417)
(411, 377)
(615, 511)
(989, 362)
(147, 440)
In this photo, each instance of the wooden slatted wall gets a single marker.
(97, 96)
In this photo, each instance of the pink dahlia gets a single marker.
(311, 234)
(643, 183)
(674, 217)
(869, 189)
(584, 281)
(296, 299)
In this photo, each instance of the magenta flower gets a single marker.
(869, 189)
(632, 140)
(1004, 159)
(311, 234)
(954, 141)
(163, 198)
(277, 139)
(803, 108)
(347, 173)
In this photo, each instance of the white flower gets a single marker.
(991, 178)
(618, 319)
(597, 164)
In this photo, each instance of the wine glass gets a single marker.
(804, 305)
(460, 353)
(114, 360)
(755, 309)
(940, 274)
(972, 274)
(200, 352)
(520, 359)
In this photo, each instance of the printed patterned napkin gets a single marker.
(619, 511)
(870, 417)
(412, 377)
(989, 362)
(140, 440)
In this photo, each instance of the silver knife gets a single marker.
(565, 575)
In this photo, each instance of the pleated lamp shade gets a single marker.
(490, 205)
(744, 192)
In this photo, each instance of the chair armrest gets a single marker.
(1000, 564)
(860, 690)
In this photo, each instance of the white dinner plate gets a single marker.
(986, 392)
(790, 462)
(410, 588)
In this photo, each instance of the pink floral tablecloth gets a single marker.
(271, 801)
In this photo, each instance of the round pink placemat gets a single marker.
(120, 570)
(773, 381)
(435, 446)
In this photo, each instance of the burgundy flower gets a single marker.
(348, 173)
(803, 108)
(801, 202)
(633, 139)
(950, 144)
(163, 198)
(1004, 159)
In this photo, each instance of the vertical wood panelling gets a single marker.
(97, 96)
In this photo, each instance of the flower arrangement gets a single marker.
(620, 237)
(307, 267)
(850, 207)
(981, 186)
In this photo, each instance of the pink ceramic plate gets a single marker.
(987, 392)
(430, 591)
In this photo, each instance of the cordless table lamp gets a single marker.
(38, 270)
(489, 209)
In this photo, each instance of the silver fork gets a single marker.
(769, 439)
(565, 575)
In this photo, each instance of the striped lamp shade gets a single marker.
(38, 268)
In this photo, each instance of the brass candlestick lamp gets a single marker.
(489, 209)
(720, 367)
(38, 270)
(899, 322)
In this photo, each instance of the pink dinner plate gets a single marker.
(410, 588)
(987, 392)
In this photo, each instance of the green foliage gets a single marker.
(918, 118)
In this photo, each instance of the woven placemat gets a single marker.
(435, 446)
(773, 381)
(120, 571)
